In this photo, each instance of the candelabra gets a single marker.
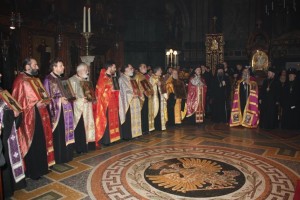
(87, 36)
(169, 58)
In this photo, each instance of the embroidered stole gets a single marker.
(14, 152)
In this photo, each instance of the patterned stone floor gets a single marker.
(186, 162)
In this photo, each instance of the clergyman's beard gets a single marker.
(34, 72)
(130, 74)
(85, 76)
(112, 73)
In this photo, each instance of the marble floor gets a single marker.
(210, 161)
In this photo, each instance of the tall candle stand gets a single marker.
(87, 36)
(87, 58)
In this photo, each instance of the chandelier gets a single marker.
(280, 6)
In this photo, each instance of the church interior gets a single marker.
(186, 162)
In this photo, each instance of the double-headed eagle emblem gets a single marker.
(193, 174)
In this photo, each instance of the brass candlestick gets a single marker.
(87, 36)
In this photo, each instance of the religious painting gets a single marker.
(179, 89)
(214, 50)
(88, 90)
(135, 87)
(235, 117)
(248, 118)
(10, 101)
(260, 61)
(214, 45)
(66, 89)
(39, 90)
(147, 87)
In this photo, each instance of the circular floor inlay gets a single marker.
(190, 172)
(194, 177)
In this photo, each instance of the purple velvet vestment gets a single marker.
(56, 107)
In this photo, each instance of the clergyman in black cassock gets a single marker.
(269, 101)
(290, 102)
(220, 93)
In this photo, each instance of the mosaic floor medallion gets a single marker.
(190, 172)
(193, 177)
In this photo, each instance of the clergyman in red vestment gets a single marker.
(34, 133)
(196, 96)
(106, 110)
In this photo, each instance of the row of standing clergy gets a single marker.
(126, 107)
(47, 130)
(50, 131)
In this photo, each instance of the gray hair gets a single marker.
(81, 66)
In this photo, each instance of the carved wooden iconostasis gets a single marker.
(52, 29)
(214, 50)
